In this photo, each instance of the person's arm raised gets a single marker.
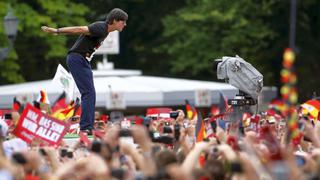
(192, 158)
(75, 30)
(141, 137)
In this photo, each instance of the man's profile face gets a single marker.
(119, 25)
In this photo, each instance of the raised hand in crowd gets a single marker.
(311, 133)
(141, 137)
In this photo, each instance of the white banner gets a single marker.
(63, 79)
(110, 45)
(202, 98)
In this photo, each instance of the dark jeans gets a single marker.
(81, 71)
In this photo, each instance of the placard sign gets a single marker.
(116, 100)
(34, 124)
(203, 98)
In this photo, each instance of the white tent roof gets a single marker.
(137, 90)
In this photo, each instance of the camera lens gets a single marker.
(70, 154)
(215, 64)
(63, 152)
(167, 129)
(19, 158)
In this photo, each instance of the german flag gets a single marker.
(65, 113)
(16, 106)
(191, 111)
(200, 128)
(43, 97)
(279, 107)
(294, 133)
(214, 110)
(60, 103)
(311, 108)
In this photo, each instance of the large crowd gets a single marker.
(259, 146)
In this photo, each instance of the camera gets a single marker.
(154, 134)
(163, 139)
(174, 114)
(167, 129)
(8, 116)
(176, 131)
(236, 167)
(19, 158)
(146, 121)
(124, 133)
(42, 152)
(96, 146)
(242, 75)
(242, 99)
(66, 153)
(118, 173)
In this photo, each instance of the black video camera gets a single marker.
(176, 131)
(163, 139)
(8, 116)
(174, 114)
(242, 99)
(167, 129)
(125, 133)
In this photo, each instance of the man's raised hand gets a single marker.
(49, 30)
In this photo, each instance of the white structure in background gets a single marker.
(111, 45)
(134, 90)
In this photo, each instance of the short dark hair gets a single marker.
(116, 14)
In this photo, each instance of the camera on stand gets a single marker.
(242, 75)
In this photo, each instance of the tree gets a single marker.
(258, 32)
(37, 54)
(205, 30)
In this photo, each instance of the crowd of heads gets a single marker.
(257, 146)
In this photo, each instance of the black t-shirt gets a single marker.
(87, 44)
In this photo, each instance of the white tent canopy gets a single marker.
(132, 88)
(136, 90)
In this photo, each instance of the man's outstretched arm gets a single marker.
(76, 30)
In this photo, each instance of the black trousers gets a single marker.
(81, 71)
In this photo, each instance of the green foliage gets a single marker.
(206, 30)
(258, 31)
(36, 53)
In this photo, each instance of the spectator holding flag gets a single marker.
(79, 57)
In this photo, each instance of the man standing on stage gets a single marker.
(79, 56)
